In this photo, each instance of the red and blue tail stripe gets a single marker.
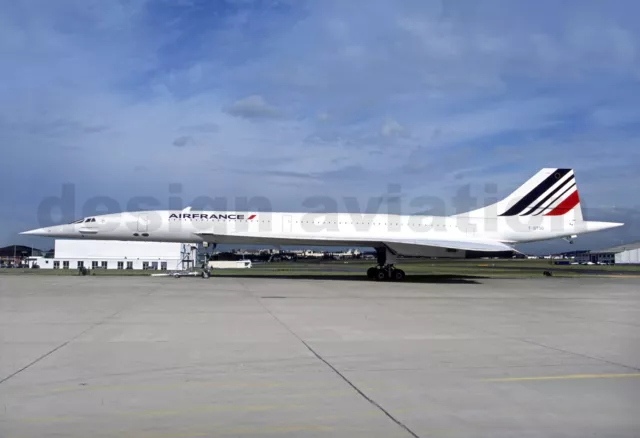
(556, 195)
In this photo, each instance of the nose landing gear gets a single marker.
(385, 270)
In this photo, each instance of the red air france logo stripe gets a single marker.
(251, 217)
(565, 206)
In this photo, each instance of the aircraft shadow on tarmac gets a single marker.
(424, 278)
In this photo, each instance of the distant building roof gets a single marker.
(617, 249)
(19, 251)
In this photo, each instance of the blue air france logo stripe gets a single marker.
(537, 192)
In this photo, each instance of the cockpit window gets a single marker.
(85, 220)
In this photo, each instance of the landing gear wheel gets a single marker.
(371, 273)
(204, 274)
(381, 275)
(398, 275)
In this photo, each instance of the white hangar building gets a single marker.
(115, 254)
(620, 255)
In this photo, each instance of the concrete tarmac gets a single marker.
(253, 357)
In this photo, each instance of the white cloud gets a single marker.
(391, 128)
(253, 107)
(323, 116)
(203, 127)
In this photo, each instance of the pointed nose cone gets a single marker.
(55, 231)
(36, 232)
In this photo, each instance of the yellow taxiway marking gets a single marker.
(567, 377)
(211, 408)
(243, 431)
(168, 386)
(49, 419)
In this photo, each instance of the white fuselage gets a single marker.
(547, 206)
(322, 229)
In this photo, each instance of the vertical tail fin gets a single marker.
(550, 192)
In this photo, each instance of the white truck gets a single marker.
(229, 264)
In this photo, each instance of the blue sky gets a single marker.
(290, 100)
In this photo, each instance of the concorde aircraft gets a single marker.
(547, 206)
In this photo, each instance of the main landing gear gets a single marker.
(205, 271)
(385, 269)
(384, 273)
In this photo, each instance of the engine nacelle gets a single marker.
(426, 251)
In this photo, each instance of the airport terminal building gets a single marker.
(113, 254)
